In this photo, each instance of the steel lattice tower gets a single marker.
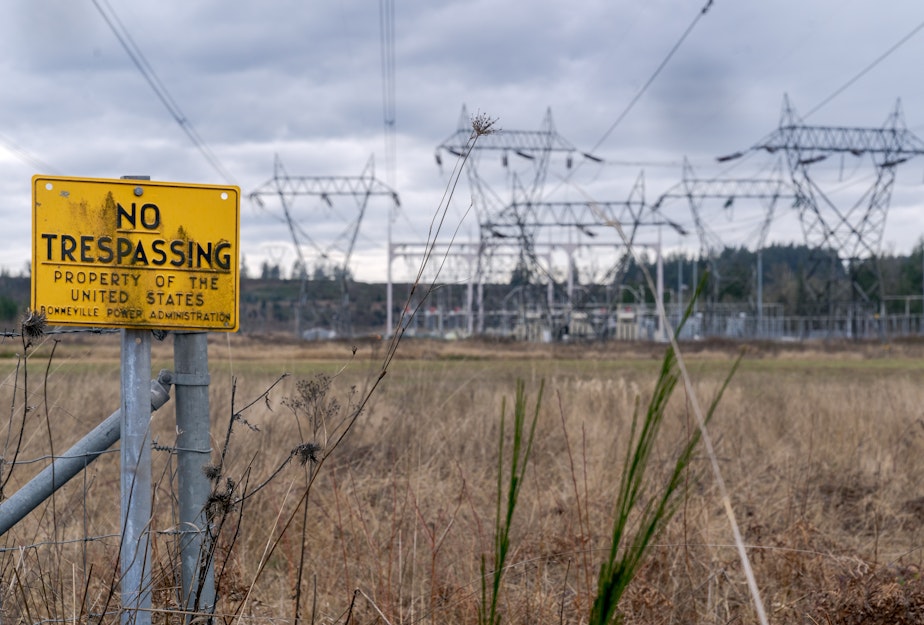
(517, 221)
(336, 252)
(845, 233)
(728, 191)
(572, 222)
(535, 146)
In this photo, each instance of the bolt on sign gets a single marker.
(135, 253)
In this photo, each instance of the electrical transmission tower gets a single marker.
(727, 192)
(512, 215)
(845, 234)
(534, 147)
(570, 226)
(327, 236)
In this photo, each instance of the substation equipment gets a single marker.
(539, 267)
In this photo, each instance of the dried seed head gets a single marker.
(218, 504)
(33, 324)
(240, 419)
(221, 502)
(306, 452)
(212, 472)
(482, 124)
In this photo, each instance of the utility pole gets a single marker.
(659, 304)
(679, 289)
(135, 480)
(760, 292)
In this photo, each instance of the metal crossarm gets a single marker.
(895, 142)
(563, 214)
(321, 186)
(723, 188)
(526, 143)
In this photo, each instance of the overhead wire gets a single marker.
(389, 113)
(841, 89)
(160, 90)
(389, 103)
(638, 95)
(27, 158)
(879, 59)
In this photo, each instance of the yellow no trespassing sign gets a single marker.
(135, 253)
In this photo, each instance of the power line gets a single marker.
(389, 108)
(27, 158)
(653, 76)
(160, 90)
(639, 93)
(866, 69)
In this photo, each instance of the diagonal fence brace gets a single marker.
(75, 459)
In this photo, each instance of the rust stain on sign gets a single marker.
(135, 254)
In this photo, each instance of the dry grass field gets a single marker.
(821, 448)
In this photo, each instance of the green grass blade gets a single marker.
(627, 552)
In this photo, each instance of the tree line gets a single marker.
(799, 278)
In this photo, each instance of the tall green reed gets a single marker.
(640, 498)
(520, 448)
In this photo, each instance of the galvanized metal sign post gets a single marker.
(193, 451)
(135, 479)
(141, 256)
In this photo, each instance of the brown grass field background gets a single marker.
(820, 446)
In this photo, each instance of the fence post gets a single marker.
(193, 450)
(135, 478)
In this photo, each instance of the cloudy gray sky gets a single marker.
(303, 80)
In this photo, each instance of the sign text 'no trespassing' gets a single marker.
(135, 253)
